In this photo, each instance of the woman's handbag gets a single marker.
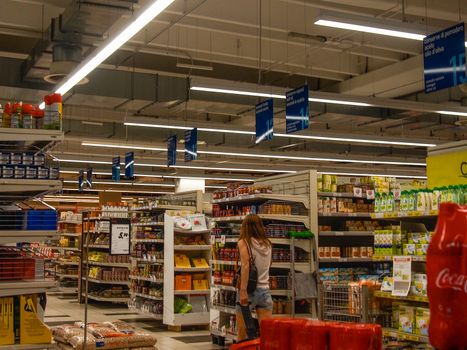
(253, 275)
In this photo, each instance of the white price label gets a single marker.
(223, 239)
(120, 238)
(370, 194)
(213, 239)
(357, 192)
(339, 233)
(397, 194)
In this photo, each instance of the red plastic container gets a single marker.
(355, 337)
(276, 333)
(247, 345)
(311, 335)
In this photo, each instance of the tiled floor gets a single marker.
(61, 311)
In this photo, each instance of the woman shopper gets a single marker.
(254, 246)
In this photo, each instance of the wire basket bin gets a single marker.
(345, 302)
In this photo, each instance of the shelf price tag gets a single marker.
(213, 239)
(370, 194)
(223, 239)
(339, 233)
(120, 237)
(357, 192)
(397, 194)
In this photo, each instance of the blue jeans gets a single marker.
(260, 299)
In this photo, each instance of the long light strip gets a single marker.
(265, 170)
(114, 44)
(125, 183)
(304, 137)
(118, 191)
(382, 175)
(271, 156)
(371, 29)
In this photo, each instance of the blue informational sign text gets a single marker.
(444, 58)
(130, 165)
(191, 145)
(172, 150)
(89, 178)
(81, 181)
(116, 168)
(296, 110)
(264, 120)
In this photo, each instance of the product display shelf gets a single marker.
(99, 222)
(145, 313)
(388, 295)
(27, 236)
(406, 215)
(147, 279)
(176, 291)
(346, 233)
(148, 261)
(346, 215)
(151, 223)
(20, 190)
(52, 346)
(342, 195)
(11, 288)
(394, 333)
(146, 296)
(294, 190)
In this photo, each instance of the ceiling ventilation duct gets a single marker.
(65, 58)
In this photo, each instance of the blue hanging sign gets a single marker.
(191, 145)
(296, 110)
(172, 150)
(89, 178)
(81, 181)
(130, 165)
(444, 58)
(264, 120)
(116, 168)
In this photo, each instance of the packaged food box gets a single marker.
(422, 320)
(421, 249)
(408, 249)
(406, 318)
(419, 284)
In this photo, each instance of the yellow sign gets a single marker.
(7, 333)
(32, 330)
(447, 169)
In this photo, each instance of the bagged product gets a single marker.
(447, 279)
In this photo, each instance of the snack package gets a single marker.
(422, 320)
(406, 318)
(419, 284)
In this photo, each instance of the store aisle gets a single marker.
(60, 311)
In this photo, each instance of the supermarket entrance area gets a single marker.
(61, 311)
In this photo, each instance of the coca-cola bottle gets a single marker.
(447, 279)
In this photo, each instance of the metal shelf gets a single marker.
(341, 195)
(394, 333)
(71, 249)
(199, 232)
(97, 246)
(62, 275)
(147, 279)
(97, 263)
(146, 296)
(286, 265)
(192, 247)
(148, 314)
(70, 263)
(148, 261)
(192, 292)
(291, 218)
(70, 222)
(19, 190)
(14, 236)
(388, 295)
(264, 197)
(228, 239)
(345, 215)
(221, 286)
(93, 280)
(152, 223)
(192, 269)
(344, 260)
(226, 309)
(389, 258)
(26, 287)
(147, 240)
(410, 215)
(110, 300)
(346, 233)
(163, 207)
(224, 262)
(70, 234)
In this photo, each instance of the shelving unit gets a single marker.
(96, 258)
(147, 257)
(297, 191)
(198, 299)
(17, 226)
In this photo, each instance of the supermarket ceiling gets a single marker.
(267, 46)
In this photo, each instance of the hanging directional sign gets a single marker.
(191, 145)
(264, 121)
(116, 168)
(81, 181)
(444, 58)
(130, 165)
(296, 110)
(89, 178)
(172, 150)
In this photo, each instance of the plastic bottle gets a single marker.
(6, 122)
(377, 203)
(56, 111)
(16, 119)
(383, 202)
(27, 116)
(47, 112)
(447, 279)
(403, 201)
(410, 201)
(38, 118)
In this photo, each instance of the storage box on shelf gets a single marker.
(24, 175)
(286, 205)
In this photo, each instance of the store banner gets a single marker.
(172, 150)
(296, 110)
(81, 180)
(130, 165)
(448, 169)
(264, 120)
(120, 240)
(444, 58)
(191, 145)
(89, 178)
(116, 168)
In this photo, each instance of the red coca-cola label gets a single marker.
(454, 281)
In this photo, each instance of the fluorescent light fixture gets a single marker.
(111, 190)
(194, 66)
(274, 156)
(208, 178)
(459, 114)
(296, 136)
(215, 187)
(339, 102)
(124, 183)
(87, 122)
(113, 44)
(382, 175)
(92, 144)
(369, 29)
(246, 170)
